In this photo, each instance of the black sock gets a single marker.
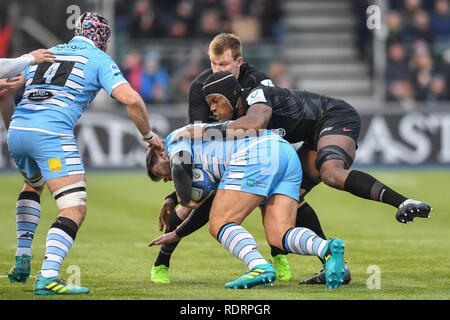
(67, 225)
(276, 251)
(307, 218)
(167, 249)
(365, 186)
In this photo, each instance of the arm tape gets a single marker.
(181, 168)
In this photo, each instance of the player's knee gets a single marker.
(35, 184)
(73, 195)
(332, 175)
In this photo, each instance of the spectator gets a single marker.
(6, 31)
(210, 24)
(277, 72)
(441, 18)
(410, 8)
(398, 72)
(179, 85)
(438, 91)
(155, 80)
(133, 70)
(145, 22)
(422, 69)
(395, 26)
(421, 29)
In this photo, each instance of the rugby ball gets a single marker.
(203, 185)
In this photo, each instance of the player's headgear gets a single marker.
(225, 84)
(94, 27)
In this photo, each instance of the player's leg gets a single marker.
(160, 269)
(334, 158)
(228, 210)
(70, 195)
(28, 209)
(279, 216)
(28, 213)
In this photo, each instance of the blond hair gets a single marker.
(224, 41)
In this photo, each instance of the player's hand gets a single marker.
(11, 85)
(5, 84)
(166, 213)
(190, 132)
(166, 238)
(155, 142)
(193, 204)
(42, 55)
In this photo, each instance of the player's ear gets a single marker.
(240, 61)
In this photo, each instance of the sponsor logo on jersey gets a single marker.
(256, 96)
(54, 164)
(325, 130)
(267, 83)
(39, 95)
(115, 69)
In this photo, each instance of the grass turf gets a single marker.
(123, 208)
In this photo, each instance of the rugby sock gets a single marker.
(28, 214)
(307, 218)
(303, 241)
(241, 244)
(365, 186)
(60, 238)
(167, 249)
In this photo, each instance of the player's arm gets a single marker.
(135, 106)
(11, 67)
(196, 220)
(7, 96)
(181, 170)
(257, 117)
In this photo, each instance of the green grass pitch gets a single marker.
(123, 208)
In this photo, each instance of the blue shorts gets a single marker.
(270, 166)
(53, 155)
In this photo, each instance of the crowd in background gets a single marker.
(184, 19)
(418, 51)
(417, 47)
(161, 80)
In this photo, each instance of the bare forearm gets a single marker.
(139, 115)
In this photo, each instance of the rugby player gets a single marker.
(10, 67)
(225, 54)
(43, 146)
(262, 171)
(10, 80)
(328, 127)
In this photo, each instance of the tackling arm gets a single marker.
(257, 118)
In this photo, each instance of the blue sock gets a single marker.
(241, 244)
(28, 214)
(60, 238)
(304, 241)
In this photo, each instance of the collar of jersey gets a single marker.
(81, 38)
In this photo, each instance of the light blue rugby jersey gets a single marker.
(215, 156)
(57, 94)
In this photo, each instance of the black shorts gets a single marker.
(339, 117)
